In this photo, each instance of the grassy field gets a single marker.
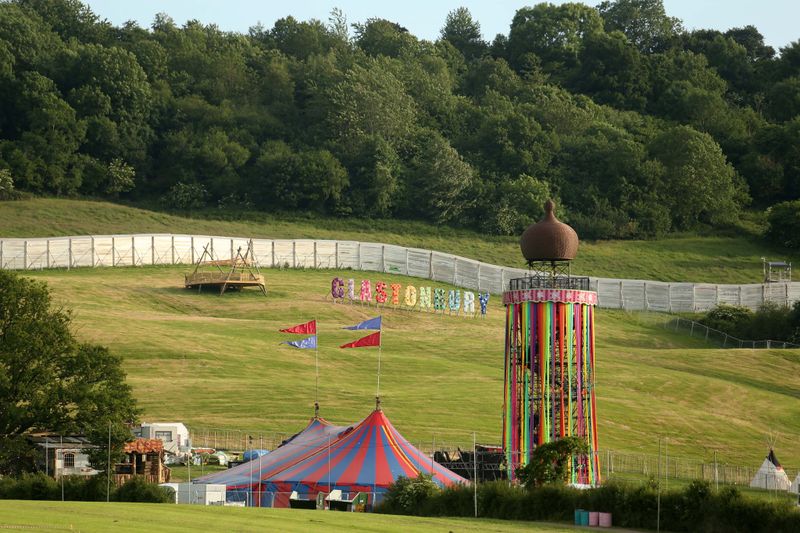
(119, 517)
(712, 259)
(216, 362)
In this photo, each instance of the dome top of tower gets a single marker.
(549, 239)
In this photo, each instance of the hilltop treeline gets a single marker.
(635, 125)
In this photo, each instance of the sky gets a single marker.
(775, 19)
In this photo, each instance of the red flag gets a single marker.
(309, 328)
(373, 339)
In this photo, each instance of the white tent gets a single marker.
(771, 475)
(795, 485)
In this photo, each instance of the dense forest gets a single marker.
(635, 125)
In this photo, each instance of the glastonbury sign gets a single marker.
(409, 297)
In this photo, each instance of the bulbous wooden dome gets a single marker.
(549, 239)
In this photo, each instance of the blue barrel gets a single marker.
(584, 518)
(578, 516)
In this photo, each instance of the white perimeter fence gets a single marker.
(169, 249)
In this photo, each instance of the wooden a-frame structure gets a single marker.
(243, 272)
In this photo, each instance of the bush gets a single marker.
(696, 508)
(407, 495)
(784, 219)
(771, 321)
(7, 191)
(186, 196)
(727, 318)
(139, 490)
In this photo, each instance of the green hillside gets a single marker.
(102, 517)
(712, 259)
(216, 363)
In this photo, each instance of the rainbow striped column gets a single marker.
(549, 376)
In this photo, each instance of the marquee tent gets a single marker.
(241, 478)
(771, 475)
(366, 458)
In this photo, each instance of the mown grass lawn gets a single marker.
(103, 517)
(707, 258)
(215, 362)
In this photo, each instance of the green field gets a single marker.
(711, 259)
(102, 517)
(215, 362)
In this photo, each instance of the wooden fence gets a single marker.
(170, 249)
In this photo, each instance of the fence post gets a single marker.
(315, 255)
(621, 296)
(479, 277)
(383, 258)
(294, 254)
(716, 293)
(47, 255)
(273, 252)
(25, 254)
(740, 295)
(152, 249)
(455, 269)
(406, 262)
(1, 254)
(359, 256)
(133, 250)
(694, 298)
(113, 251)
(430, 266)
(669, 297)
(172, 245)
(191, 244)
(336, 254)
(646, 301)
(502, 279)
(91, 253)
(69, 250)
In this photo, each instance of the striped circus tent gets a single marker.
(366, 458)
(244, 477)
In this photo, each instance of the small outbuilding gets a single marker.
(174, 435)
(63, 455)
(145, 458)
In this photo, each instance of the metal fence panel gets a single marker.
(163, 249)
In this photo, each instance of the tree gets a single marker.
(700, 185)
(784, 222)
(644, 22)
(550, 461)
(463, 32)
(438, 178)
(553, 33)
(51, 382)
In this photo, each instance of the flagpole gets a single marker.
(316, 367)
(378, 391)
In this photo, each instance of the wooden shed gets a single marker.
(144, 457)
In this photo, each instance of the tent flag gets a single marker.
(373, 339)
(372, 323)
(306, 329)
(309, 342)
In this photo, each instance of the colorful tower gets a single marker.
(549, 352)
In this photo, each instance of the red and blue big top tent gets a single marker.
(367, 457)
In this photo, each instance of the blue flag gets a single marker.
(372, 323)
(308, 342)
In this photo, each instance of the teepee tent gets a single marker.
(795, 485)
(771, 475)
(366, 458)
